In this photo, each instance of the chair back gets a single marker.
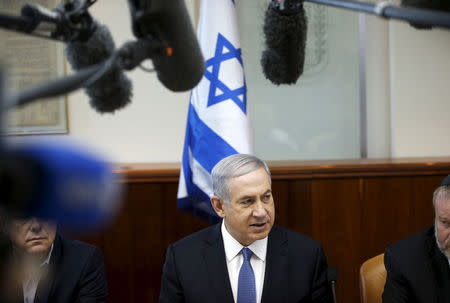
(372, 277)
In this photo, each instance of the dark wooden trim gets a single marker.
(285, 170)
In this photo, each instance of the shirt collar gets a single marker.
(34, 273)
(233, 247)
(47, 260)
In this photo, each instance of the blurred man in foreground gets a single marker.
(244, 258)
(46, 267)
(418, 267)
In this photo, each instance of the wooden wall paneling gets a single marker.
(299, 207)
(147, 245)
(337, 223)
(281, 196)
(118, 252)
(422, 212)
(386, 212)
(96, 238)
(177, 223)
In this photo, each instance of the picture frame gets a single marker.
(28, 62)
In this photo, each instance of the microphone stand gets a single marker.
(333, 290)
(384, 9)
(332, 278)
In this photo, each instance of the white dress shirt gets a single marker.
(29, 286)
(234, 261)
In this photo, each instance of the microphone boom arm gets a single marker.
(385, 10)
(127, 57)
(69, 22)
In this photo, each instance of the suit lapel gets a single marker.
(214, 256)
(440, 269)
(275, 279)
(46, 284)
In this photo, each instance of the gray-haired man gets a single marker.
(245, 258)
(418, 266)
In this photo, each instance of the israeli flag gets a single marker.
(218, 124)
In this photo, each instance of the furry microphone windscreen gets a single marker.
(112, 91)
(438, 5)
(285, 39)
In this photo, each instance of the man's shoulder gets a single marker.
(294, 238)
(211, 233)
(76, 247)
(413, 244)
(74, 259)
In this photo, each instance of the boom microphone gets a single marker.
(438, 5)
(59, 183)
(182, 67)
(112, 91)
(284, 28)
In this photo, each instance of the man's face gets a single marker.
(442, 224)
(250, 213)
(32, 236)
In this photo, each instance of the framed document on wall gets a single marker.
(28, 62)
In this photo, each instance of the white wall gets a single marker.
(408, 88)
(420, 91)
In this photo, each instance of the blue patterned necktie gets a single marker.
(246, 283)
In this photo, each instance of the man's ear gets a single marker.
(218, 206)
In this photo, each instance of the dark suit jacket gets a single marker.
(195, 269)
(417, 272)
(76, 274)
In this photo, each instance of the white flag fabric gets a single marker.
(218, 124)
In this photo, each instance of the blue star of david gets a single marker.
(224, 51)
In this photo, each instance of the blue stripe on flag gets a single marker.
(197, 202)
(207, 147)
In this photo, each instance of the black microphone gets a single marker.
(181, 66)
(438, 5)
(112, 91)
(285, 27)
(332, 278)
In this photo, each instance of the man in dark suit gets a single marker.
(46, 267)
(244, 258)
(418, 267)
